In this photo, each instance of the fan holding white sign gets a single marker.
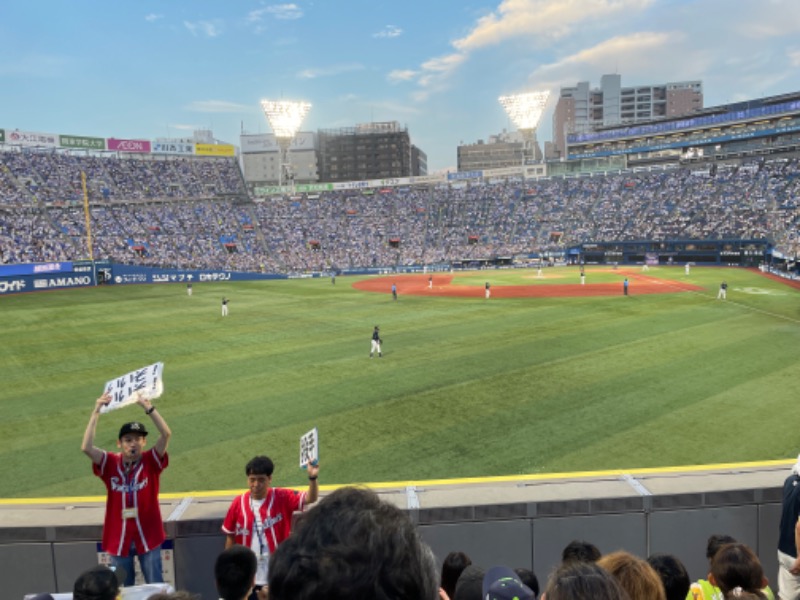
(133, 525)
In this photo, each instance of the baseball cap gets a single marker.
(502, 583)
(132, 427)
(99, 583)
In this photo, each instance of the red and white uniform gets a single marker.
(134, 494)
(276, 516)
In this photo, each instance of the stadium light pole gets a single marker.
(525, 111)
(285, 118)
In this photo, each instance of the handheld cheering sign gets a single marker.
(125, 390)
(309, 448)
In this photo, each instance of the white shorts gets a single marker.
(788, 584)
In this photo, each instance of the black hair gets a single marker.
(717, 541)
(580, 551)
(98, 583)
(260, 465)
(452, 567)
(235, 572)
(673, 575)
(353, 545)
(528, 577)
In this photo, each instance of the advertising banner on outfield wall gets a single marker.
(16, 279)
(461, 175)
(32, 138)
(122, 274)
(431, 179)
(173, 147)
(35, 268)
(80, 141)
(128, 145)
(215, 150)
(37, 283)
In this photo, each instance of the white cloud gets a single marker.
(153, 17)
(635, 50)
(284, 11)
(183, 127)
(794, 57)
(312, 73)
(637, 57)
(539, 22)
(399, 75)
(544, 20)
(217, 106)
(390, 31)
(210, 29)
(257, 15)
(443, 64)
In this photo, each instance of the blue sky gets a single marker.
(147, 69)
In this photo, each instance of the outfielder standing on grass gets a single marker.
(133, 524)
(376, 342)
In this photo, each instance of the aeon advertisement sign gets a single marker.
(129, 145)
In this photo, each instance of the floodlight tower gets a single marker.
(525, 111)
(285, 118)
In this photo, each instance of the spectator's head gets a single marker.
(636, 577)
(673, 575)
(529, 578)
(179, 595)
(501, 583)
(353, 545)
(737, 566)
(581, 551)
(715, 542)
(235, 572)
(259, 476)
(470, 584)
(132, 440)
(452, 567)
(98, 583)
(583, 580)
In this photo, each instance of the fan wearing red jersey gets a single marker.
(261, 518)
(133, 525)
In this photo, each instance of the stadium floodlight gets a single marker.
(525, 111)
(285, 117)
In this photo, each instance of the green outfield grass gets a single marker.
(466, 387)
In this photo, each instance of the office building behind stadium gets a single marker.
(365, 151)
(581, 109)
(762, 126)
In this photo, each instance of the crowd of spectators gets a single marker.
(195, 213)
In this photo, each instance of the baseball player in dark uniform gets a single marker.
(376, 342)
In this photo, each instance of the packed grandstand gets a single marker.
(198, 213)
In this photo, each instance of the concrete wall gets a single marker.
(517, 523)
